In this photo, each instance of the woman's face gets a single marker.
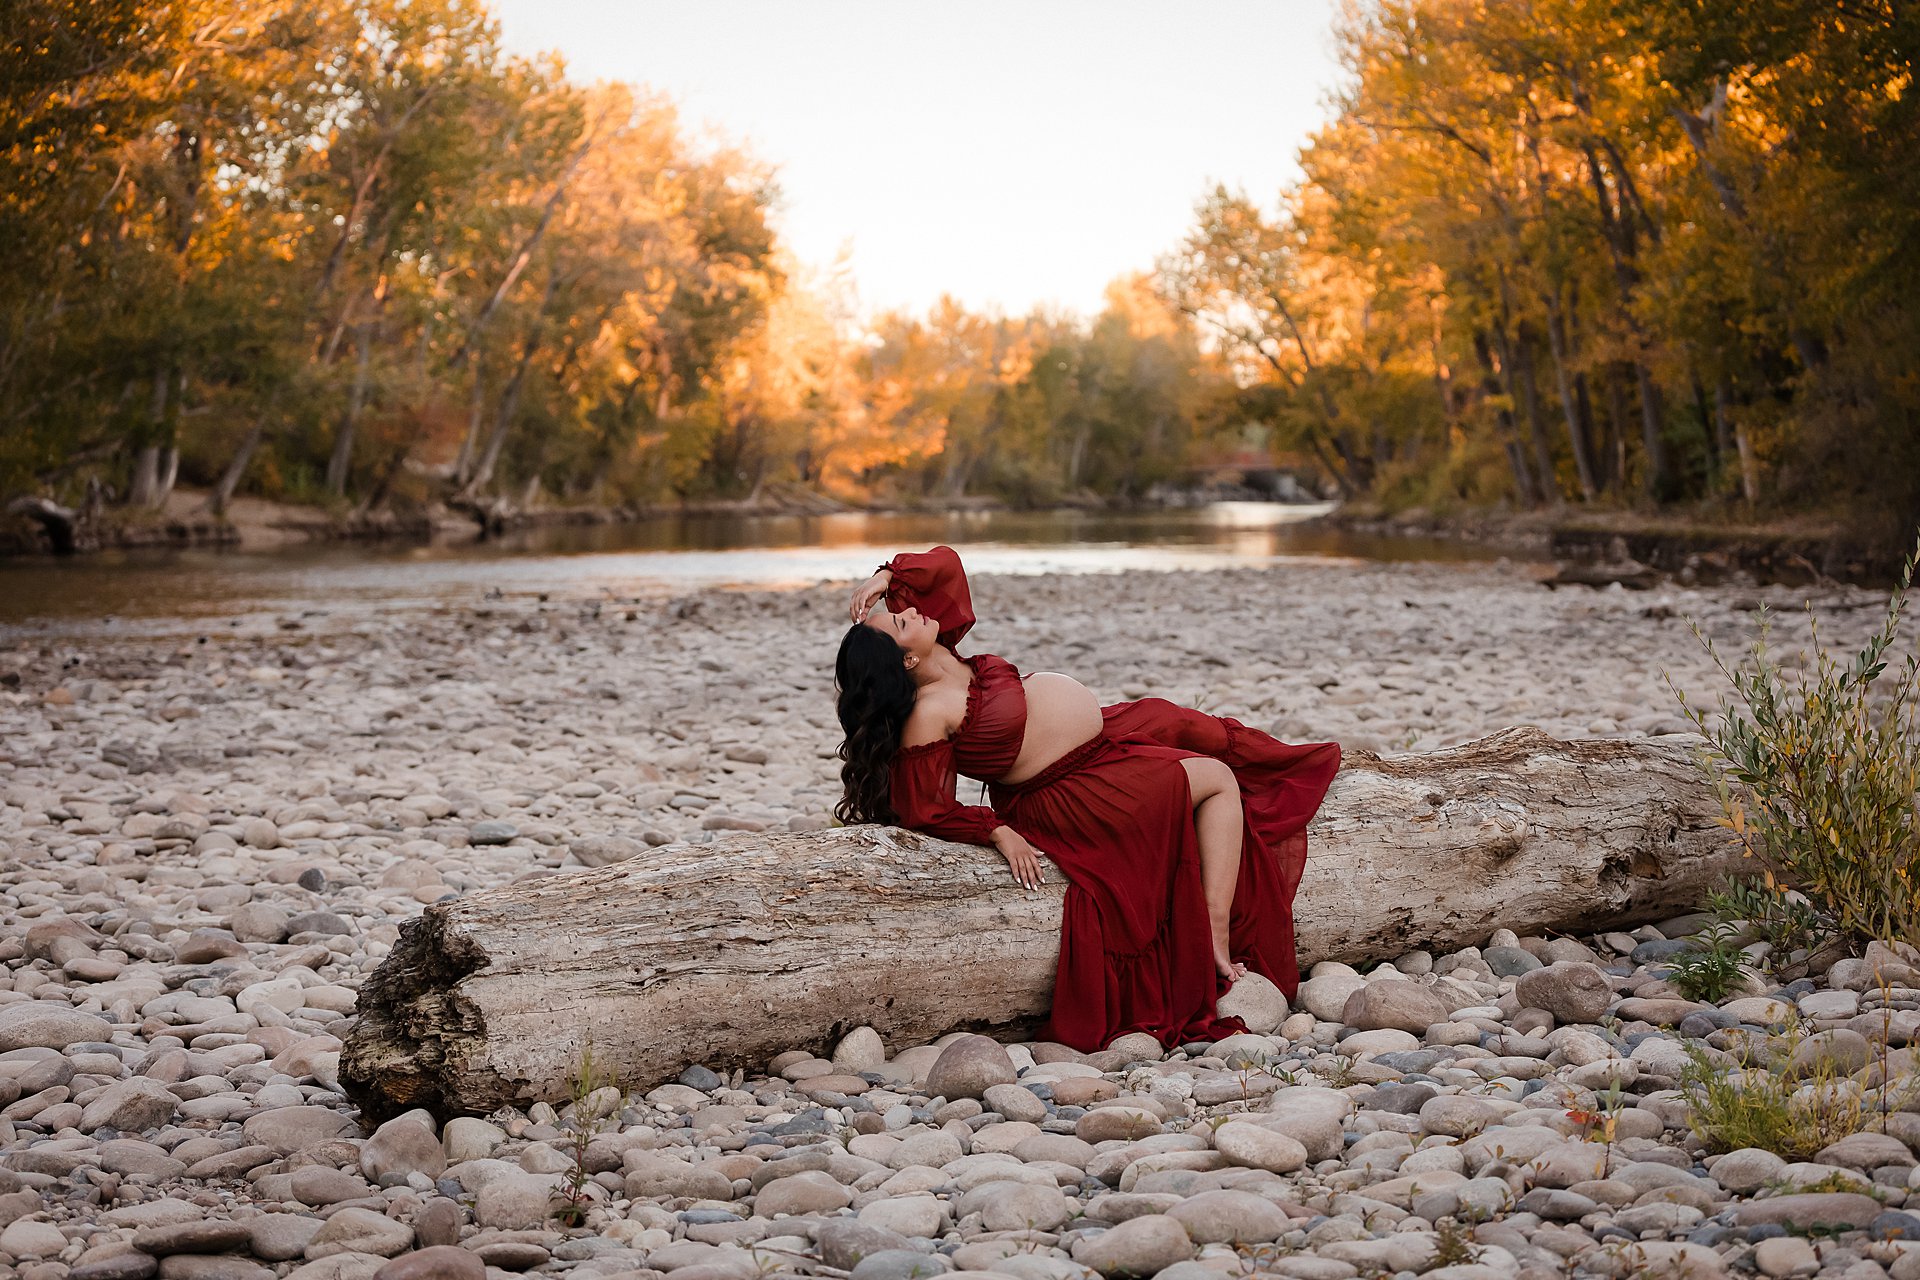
(914, 633)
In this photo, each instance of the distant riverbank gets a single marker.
(1793, 551)
(1625, 543)
(260, 524)
(621, 562)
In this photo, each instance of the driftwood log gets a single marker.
(730, 952)
(60, 524)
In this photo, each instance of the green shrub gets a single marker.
(1783, 919)
(1765, 1105)
(1708, 974)
(1819, 775)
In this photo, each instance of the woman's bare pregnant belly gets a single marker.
(1062, 713)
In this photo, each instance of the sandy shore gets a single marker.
(214, 834)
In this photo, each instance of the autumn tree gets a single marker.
(1635, 251)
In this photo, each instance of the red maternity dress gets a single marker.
(1115, 815)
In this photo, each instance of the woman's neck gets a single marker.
(941, 664)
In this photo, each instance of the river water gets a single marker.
(156, 591)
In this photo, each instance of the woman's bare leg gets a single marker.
(1218, 823)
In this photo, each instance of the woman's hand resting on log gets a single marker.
(1021, 856)
(868, 593)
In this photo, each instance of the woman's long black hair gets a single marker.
(874, 695)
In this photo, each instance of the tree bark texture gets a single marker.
(731, 952)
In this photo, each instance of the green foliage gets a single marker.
(1453, 1245)
(1766, 912)
(1036, 408)
(1707, 974)
(1819, 775)
(346, 246)
(1832, 1183)
(356, 251)
(1766, 1104)
(1620, 252)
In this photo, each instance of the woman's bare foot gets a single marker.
(1223, 962)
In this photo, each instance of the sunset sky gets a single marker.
(1011, 154)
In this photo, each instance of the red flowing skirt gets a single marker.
(1116, 815)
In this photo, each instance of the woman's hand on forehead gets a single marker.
(869, 595)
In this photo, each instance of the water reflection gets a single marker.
(628, 561)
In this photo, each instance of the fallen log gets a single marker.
(1630, 574)
(59, 524)
(730, 952)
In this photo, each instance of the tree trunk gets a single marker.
(383, 482)
(223, 490)
(730, 952)
(1617, 417)
(1749, 463)
(146, 476)
(1734, 439)
(476, 414)
(1722, 423)
(1570, 405)
(1522, 478)
(1617, 224)
(145, 481)
(502, 424)
(341, 463)
(1494, 389)
(1583, 402)
(1342, 483)
(1077, 455)
(169, 473)
(1653, 440)
(1544, 470)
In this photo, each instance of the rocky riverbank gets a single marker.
(257, 524)
(36, 528)
(214, 834)
(1639, 548)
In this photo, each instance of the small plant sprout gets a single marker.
(1601, 1122)
(1340, 1073)
(1453, 1245)
(589, 1103)
(1277, 1068)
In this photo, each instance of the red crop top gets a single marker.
(991, 732)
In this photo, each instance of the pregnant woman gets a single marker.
(1182, 835)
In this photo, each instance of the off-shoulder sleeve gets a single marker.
(922, 794)
(934, 583)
